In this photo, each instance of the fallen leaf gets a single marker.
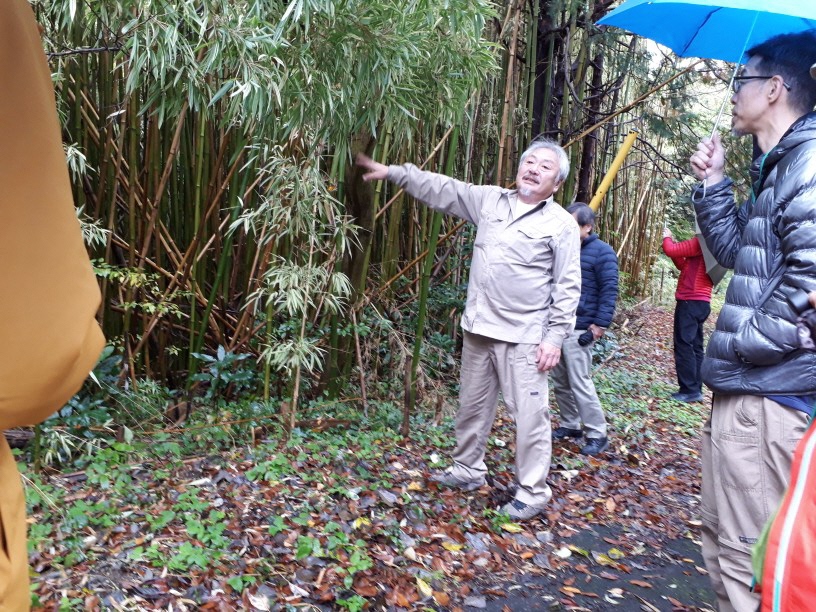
(387, 497)
(452, 546)
(475, 602)
(402, 600)
(512, 527)
(641, 583)
(259, 602)
(578, 550)
(424, 588)
(365, 589)
(563, 552)
(602, 559)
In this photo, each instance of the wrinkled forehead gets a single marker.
(542, 155)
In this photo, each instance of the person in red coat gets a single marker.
(693, 296)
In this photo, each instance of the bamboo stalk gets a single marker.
(509, 98)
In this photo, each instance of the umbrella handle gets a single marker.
(695, 198)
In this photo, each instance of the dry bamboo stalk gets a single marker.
(363, 393)
(509, 98)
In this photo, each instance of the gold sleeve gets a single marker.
(49, 337)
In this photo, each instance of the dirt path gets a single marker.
(626, 525)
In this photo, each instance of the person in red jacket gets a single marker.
(693, 296)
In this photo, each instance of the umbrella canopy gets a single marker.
(715, 271)
(712, 29)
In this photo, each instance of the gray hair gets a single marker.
(561, 155)
(584, 215)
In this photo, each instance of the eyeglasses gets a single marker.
(737, 84)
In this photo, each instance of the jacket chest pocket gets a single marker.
(488, 231)
(531, 246)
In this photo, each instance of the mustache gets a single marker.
(531, 177)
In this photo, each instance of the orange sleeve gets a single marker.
(48, 329)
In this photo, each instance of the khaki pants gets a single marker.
(748, 444)
(574, 390)
(490, 366)
(14, 593)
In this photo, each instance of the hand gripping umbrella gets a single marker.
(713, 29)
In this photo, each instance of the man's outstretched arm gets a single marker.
(437, 191)
(376, 170)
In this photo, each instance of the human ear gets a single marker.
(776, 88)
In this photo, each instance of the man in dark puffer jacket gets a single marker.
(574, 391)
(764, 383)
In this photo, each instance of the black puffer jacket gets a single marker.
(599, 283)
(771, 245)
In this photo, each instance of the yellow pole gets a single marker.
(606, 183)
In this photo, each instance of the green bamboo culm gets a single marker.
(433, 238)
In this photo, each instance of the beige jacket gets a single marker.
(525, 277)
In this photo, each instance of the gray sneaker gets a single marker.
(449, 479)
(519, 511)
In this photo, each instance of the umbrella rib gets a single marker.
(699, 28)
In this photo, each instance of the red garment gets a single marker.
(694, 282)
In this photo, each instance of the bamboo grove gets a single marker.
(211, 145)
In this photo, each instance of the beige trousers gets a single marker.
(575, 394)
(490, 366)
(748, 444)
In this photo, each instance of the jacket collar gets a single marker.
(591, 238)
(803, 129)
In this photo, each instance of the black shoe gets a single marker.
(595, 446)
(687, 397)
(559, 433)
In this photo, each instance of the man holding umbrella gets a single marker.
(763, 381)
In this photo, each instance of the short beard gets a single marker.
(525, 191)
(737, 132)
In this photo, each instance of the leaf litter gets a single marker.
(367, 528)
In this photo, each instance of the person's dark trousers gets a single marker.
(689, 316)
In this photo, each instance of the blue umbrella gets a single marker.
(712, 29)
